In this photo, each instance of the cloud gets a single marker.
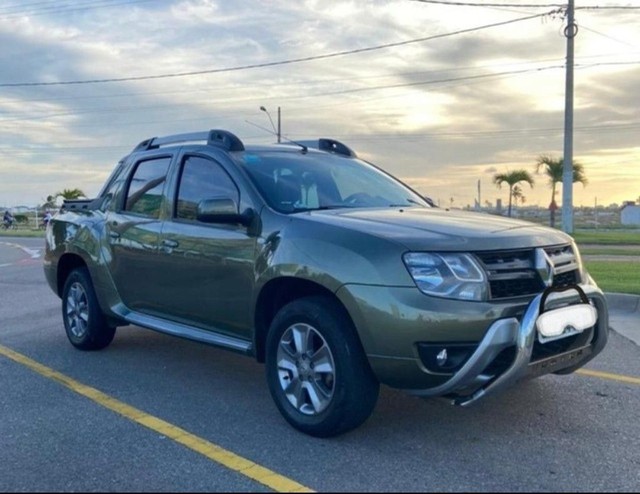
(442, 113)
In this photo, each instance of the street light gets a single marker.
(277, 132)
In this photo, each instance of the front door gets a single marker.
(208, 269)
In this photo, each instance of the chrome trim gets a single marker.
(544, 267)
(188, 332)
(507, 332)
(535, 268)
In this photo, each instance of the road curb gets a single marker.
(623, 302)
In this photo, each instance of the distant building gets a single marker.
(630, 215)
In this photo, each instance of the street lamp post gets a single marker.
(277, 132)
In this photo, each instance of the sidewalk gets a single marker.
(624, 315)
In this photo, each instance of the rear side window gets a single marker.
(202, 178)
(144, 195)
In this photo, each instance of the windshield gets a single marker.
(301, 182)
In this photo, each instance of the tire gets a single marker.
(317, 372)
(84, 322)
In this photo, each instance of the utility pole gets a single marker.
(279, 124)
(570, 32)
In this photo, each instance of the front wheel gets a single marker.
(317, 372)
(84, 322)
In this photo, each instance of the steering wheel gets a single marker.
(358, 197)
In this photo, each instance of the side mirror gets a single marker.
(222, 210)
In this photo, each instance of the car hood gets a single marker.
(420, 228)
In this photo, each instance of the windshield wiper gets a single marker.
(410, 201)
(320, 208)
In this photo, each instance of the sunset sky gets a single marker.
(440, 95)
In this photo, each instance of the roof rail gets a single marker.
(215, 137)
(331, 146)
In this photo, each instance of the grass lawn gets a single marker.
(616, 277)
(21, 232)
(628, 250)
(612, 237)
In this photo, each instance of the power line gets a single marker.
(292, 83)
(112, 109)
(272, 64)
(484, 4)
(582, 26)
(315, 82)
(437, 81)
(63, 9)
(475, 135)
(608, 7)
(475, 77)
(529, 5)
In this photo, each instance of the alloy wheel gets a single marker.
(306, 369)
(77, 312)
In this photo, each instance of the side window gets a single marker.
(202, 178)
(144, 195)
(111, 188)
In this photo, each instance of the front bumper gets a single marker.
(394, 323)
(521, 333)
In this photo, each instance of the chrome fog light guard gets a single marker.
(565, 321)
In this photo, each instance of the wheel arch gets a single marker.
(67, 263)
(276, 294)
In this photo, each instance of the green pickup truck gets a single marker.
(334, 274)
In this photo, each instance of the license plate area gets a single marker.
(557, 362)
(565, 321)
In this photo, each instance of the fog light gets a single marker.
(445, 357)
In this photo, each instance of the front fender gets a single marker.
(330, 257)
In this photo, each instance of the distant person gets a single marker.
(46, 218)
(7, 219)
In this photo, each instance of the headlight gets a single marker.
(448, 275)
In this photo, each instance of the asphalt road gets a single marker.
(194, 418)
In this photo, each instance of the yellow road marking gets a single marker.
(608, 375)
(271, 479)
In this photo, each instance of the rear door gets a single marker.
(133, 231)
(207, 269)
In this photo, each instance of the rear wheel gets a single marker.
(317, 372)
(84, 322)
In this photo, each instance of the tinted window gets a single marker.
(202, 178)
(111, 188)
(298, 182)
(144, 195)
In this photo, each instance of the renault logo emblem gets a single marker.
(544, 267)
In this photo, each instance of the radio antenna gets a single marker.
(302, 146)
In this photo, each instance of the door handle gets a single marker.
(170, 243)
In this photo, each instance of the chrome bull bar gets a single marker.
(508, 332)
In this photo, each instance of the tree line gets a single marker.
(552, 168)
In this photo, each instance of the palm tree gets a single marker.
(70, 194)
(517, 195)
(512, 178)
(553, 169)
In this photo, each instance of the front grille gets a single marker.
(513, 273)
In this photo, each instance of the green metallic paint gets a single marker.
(164, 268)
